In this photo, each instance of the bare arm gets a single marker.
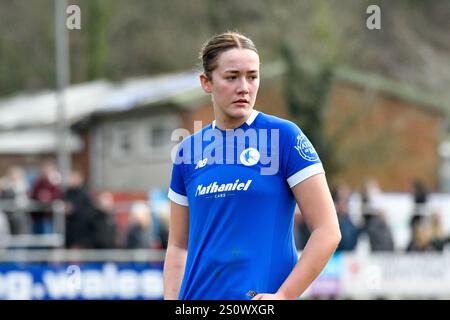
(317, 207)
(176, 253)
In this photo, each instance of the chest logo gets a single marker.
(201, 163)
(249, 157)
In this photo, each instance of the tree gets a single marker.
(98, 14)
(306, 95)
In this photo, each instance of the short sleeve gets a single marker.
(302, 160)
(177, 191)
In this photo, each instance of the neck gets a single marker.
(223, 122)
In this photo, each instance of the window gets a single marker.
(122, 141)
(159, 132)
(159, 135)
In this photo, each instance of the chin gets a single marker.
(239, 112)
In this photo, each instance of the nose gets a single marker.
(243, 86)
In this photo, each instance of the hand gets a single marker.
(270, 296)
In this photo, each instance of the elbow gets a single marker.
(337, 236)
(334, 236)
(330, 236)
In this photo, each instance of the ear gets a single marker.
(206, 83)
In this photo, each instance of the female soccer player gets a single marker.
(234, 187)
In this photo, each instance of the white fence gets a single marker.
(384, 276)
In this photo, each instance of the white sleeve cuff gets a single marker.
(178, 198)
(304, 174)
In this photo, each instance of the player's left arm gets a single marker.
(316, 205)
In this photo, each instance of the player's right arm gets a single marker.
(176, 253)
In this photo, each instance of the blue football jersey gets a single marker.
(237, 184)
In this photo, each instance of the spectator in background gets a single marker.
(45, 190)
(160, 213)
(139, 233)
(420, 194)
(380, 235)
(349, 231)
(4, 195)
(4, 230)
(18, 184)
(369, 191)
(438, 236)
(163, 232)
(79, 213)
(421, 238)
(374, 220)
(104, 224)
(16, 189)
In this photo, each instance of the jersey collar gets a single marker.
(249, 121)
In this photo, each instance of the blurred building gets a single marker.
(28, 124)
(394, 131)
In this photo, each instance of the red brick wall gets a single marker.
(205, 114)
(391, 140)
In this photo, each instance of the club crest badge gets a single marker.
(249, 157)
(305, 148)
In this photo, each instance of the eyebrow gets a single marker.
(237, 71)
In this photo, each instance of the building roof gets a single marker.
(40, 109)
(146, 91)
(34, 141)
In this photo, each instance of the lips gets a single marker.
(241, 101)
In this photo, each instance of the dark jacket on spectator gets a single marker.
(79, 221)
(104, 230)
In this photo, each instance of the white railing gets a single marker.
(84, 255)
(54, 239)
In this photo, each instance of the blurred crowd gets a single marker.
(91, 219)
(95, 220)
(426, 230)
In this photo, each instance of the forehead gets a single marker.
(238, 59)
